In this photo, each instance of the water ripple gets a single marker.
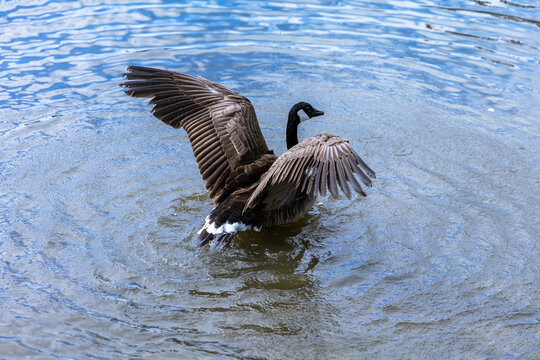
(100, 203)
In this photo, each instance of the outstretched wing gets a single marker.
(221, 124)
(312, 167)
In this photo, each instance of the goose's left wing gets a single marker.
(312, 167)
(221, 124)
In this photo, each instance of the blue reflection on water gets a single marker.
(99, 202)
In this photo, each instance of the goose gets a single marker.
(251, 187)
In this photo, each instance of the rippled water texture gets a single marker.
(100, 202)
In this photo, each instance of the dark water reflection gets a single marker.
(100, 203)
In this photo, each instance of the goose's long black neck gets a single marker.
(292, 127)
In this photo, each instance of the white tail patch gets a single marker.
(229, 228)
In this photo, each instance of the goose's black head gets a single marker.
(308, 109)
(294, 120)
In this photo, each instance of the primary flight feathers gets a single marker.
(221, 124)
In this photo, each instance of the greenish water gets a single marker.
(100, 203)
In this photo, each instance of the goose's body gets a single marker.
(252, 187)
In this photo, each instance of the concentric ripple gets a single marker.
(100, 203)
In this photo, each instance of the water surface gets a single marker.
(100, 202)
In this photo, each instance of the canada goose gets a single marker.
(251, 186)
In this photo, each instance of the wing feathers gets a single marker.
(332, 186)
(324, 178)
(205, 110)
(317, 165)
(352, 179)
(357, 170)
(364, 167)
(210, 158)
(342, 179)
(167, 99)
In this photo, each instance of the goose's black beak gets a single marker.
(314, 112)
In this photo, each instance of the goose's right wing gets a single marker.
(312, 167)
(221, 124)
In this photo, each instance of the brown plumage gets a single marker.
(221, 124)
(251, 187)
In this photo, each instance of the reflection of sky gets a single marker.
(100, 202)
(458, 52)
(472, 57)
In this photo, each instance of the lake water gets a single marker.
(100, 203)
